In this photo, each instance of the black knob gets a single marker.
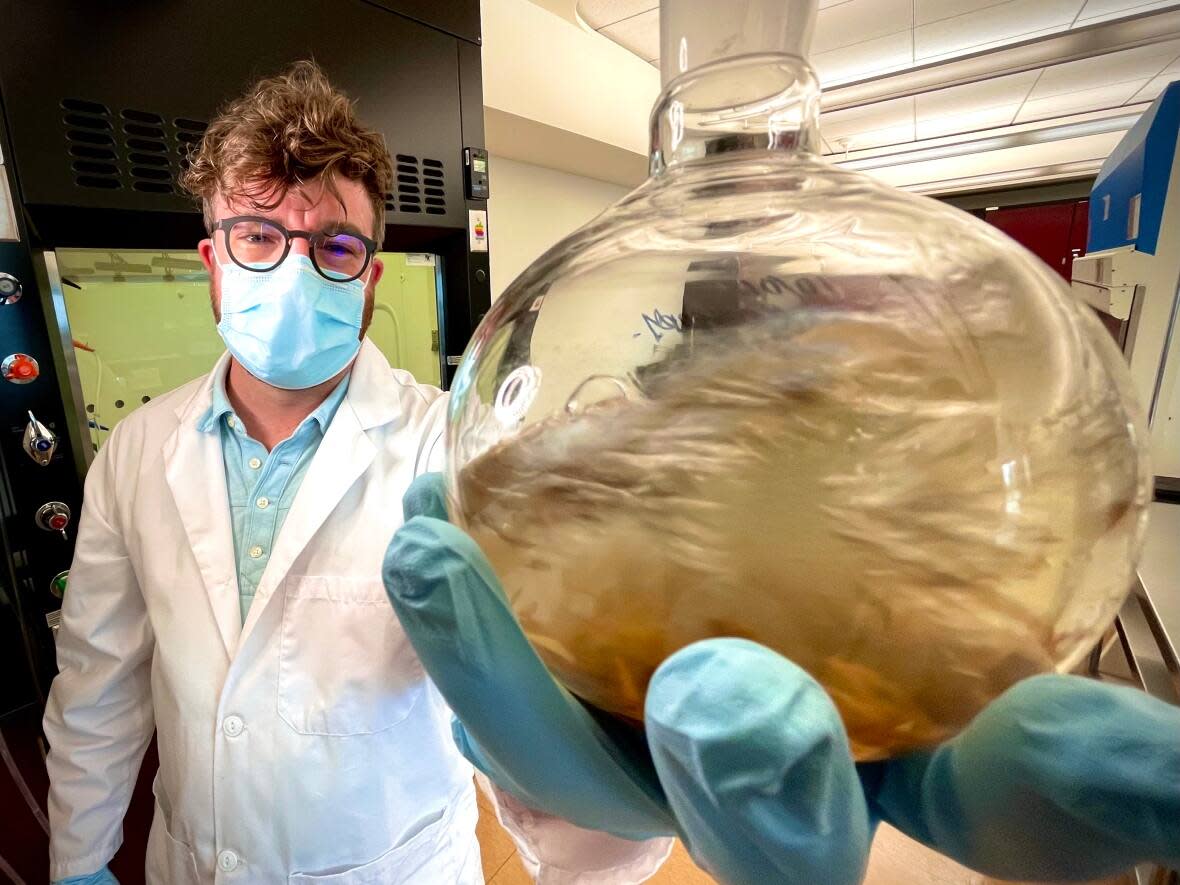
(480, 275)
(10, 289)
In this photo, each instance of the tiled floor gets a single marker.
(896, 860)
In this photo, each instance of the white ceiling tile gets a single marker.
(972, 106)
(1151, 91)
(999, 23)
(600, 13)
(966, 120)
(998, 92)
(872, 116)
(888, 122)
(1098, 10)
(873, 138)
(927, 11)
(1076, 102)
(1141, 63)
(1157, 85)
(639, 33)
(887, 53)
(856, 21)
(1172, 70)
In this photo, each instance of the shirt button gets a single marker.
(232, 421)
(255, 463)
(263, 503)
(255, 552)
(233, 726)
(228, 861)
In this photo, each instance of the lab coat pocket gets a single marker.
(345, 664)
(426, 858)
(169, 861)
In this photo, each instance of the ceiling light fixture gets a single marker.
(996, 142)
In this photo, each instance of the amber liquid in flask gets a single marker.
(769, 398)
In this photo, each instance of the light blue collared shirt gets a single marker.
(262, 485)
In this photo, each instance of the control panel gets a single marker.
(38, 471)
(475, 162)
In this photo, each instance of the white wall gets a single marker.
(531, 208)
(539, 66)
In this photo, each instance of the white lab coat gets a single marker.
(306, 746)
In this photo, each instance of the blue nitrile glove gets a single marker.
(102, 877)
(747, 760)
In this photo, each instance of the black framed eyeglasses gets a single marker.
(261, 244)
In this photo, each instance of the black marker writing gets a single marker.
(661, 322)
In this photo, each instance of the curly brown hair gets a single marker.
(284, 131)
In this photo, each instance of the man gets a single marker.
(226, 587)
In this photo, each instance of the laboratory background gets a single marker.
(512, 123)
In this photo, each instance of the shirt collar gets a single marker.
(220, 407)
(326, 410)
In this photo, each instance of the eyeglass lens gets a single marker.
(262, 246)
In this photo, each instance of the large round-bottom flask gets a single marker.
(766, 397)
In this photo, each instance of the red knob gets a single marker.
(58, 522)
(21, 368)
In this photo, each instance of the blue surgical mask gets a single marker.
(289, 326)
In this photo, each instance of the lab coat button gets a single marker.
(227, 861)
(233, 726)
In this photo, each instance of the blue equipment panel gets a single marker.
(1139, 167)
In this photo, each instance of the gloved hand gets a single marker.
(747, 761)
(102, 877)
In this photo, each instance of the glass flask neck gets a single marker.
(735, 78)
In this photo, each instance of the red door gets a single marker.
(1054, 232)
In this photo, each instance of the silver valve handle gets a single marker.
(40, 442)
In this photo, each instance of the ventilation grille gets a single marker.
(133, 149)
(418, 186)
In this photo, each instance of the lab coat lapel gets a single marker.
(195, 472)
